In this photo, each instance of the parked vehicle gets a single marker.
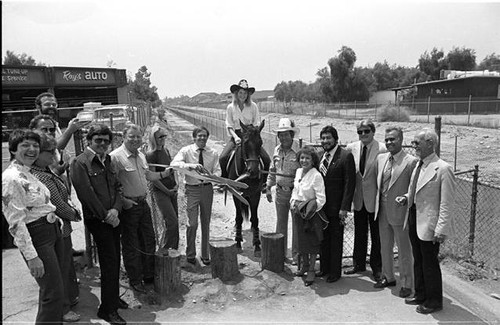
(115, 116)
(87, 116)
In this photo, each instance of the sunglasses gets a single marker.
(162, 137)
(364, 132)
(52, 152)
(45, 130)
(99, 141)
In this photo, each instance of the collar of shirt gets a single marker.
(397, 157)
(101, 159)
(130, 153)
(428, 159)
(332, 152)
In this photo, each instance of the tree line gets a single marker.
(342, 81)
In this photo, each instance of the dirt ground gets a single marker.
(261, 290)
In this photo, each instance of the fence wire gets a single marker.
(476, 221)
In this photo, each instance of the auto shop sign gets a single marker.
(85, 77)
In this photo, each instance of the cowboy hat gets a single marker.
(243, 84)
(286, 124)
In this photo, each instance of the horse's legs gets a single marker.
(254, 219)
(238, 225)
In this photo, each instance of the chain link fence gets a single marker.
(476, 221)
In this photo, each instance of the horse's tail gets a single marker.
(245, 212)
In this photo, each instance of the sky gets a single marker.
(193, 46)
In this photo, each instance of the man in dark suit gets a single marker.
(431, 196)
(339, 173)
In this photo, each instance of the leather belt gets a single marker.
(199, 184)
(137, 198)
(285, 188)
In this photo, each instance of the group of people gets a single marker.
(398, 197)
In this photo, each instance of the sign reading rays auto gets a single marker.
(65, 76)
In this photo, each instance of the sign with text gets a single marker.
(64, 76)
(23, 76)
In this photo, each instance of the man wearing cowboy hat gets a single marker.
(241, 110)
(284, 163)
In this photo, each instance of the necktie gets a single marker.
(324, 165)
(386, 177)
(200, 156)
(415, 181)
(362, 161)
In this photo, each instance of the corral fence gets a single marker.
(461, 111)
(476, 222)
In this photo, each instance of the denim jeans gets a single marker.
(48, 242)
(69, 280)
(170, 211)
(282, 203)
(138, 242)
(107, 240)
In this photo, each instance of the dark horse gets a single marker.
(245, 167)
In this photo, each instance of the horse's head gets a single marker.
(251, 143)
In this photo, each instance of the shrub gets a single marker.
(393, 114)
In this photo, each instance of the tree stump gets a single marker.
(273, 252)
(167, 271)
(224, 260)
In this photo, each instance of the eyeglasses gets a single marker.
(99, 141)
(47, 130)
(416, 143)
(390, 139)
(52, 152)
(364, 131)
(162, 137)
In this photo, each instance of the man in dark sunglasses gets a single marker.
(365, 152)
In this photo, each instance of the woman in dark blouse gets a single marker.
(164, 191)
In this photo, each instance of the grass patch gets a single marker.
(393, 114)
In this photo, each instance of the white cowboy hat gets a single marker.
(286, 124)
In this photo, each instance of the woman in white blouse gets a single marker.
(33, 224)
(243, 110)
(308, 197)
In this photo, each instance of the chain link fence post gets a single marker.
(473, 208)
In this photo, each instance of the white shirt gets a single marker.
(249, 115)
(309, 186)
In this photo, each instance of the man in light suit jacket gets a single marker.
(394, 172)
(430, 198)
(365, 152)
(337, 168)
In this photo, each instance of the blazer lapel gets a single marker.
(430, 171)
(335, 159)
(397, 169)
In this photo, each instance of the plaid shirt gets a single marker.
(59, 196)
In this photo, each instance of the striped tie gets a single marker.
(324, 164)
(386, 177)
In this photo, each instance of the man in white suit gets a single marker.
(365, 152)
(430, 198)
(394, 172)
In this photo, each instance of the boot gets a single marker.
(302, 269)
(311, 274)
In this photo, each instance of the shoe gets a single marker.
(205, 261)
(321, 274)
(421, 309)
(191, 260)
(113, 318)
(300, 272)
(150, 280)
(413, 301)
(404, 292)
(354, 271)
(122, 304)
(139, 287)
(308, 283)
(71, 316)
(331, 279)
(384, 283)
